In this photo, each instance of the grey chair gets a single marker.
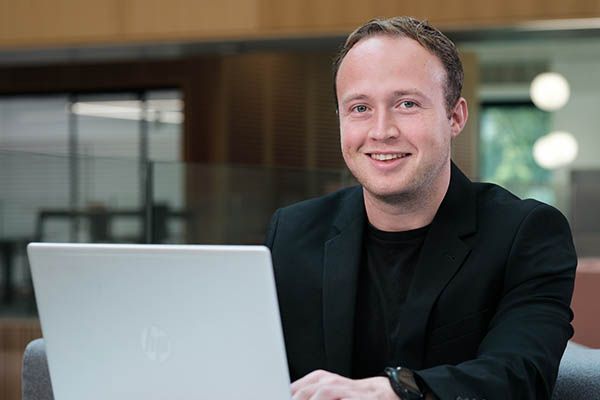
(35, 378)
(578, 376)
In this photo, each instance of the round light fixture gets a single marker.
(555, 150)
(549, 91)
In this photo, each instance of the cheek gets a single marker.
(428, 135)
(349, 138)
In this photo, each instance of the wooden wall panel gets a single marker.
(465, 148)
(189, 18)
(43, 22)
(246, 105)
(69, 22)
(280, 110)
(344, 15)
(15, 334)
(312, 14)
(201, 80)
(328, 153)
(473, 13)
(289, 84)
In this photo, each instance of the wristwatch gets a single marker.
(404, 384)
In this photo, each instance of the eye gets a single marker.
(407, 104)
(360, 108)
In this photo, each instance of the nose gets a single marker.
(384, 126)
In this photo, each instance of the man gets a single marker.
(419, 283)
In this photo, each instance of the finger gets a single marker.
(304, 393)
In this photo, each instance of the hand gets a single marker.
(323, 385)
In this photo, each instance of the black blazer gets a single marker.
(488, 313)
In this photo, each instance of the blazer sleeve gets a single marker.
(521, 351)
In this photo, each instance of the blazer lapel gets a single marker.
(341, 266)
(441, 257)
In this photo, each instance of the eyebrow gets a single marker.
(353, 97)
(413, 92)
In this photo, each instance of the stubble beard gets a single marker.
(413, 194)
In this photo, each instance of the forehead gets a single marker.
(380, 58)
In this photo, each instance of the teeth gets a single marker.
(385, 157)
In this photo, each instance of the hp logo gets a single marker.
(156, 344)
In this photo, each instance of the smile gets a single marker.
(386, 157)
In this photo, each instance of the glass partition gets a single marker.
(223, 204)
(37, 204)
(176, 203)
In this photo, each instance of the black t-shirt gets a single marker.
(387, 268)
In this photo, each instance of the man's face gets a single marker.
(395, 128)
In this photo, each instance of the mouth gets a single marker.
(387, 156)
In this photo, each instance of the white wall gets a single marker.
(581, 115)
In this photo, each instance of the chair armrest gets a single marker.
(35, 378)
(578, 374)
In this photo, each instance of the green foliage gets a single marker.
(508, 133)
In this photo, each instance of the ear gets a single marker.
(458, 117)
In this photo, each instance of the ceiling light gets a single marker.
(549, 91)
(555, 150)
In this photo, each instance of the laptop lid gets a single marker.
(160, 321)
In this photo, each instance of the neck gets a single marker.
(406, 211)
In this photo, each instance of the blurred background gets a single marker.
(191, 121)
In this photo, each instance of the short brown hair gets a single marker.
(426, 35)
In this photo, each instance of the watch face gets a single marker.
(403, 383)
(407, 378)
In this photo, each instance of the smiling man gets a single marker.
(418, 283)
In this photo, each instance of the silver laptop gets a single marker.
(160, 322)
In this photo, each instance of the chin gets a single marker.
(390, 192)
